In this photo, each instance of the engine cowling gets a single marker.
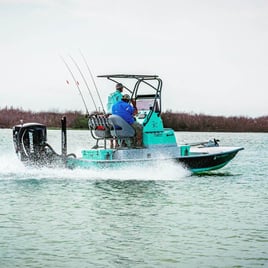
(30, 142)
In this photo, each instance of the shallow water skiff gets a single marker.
(159, 143)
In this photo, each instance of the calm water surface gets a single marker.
(161, 216)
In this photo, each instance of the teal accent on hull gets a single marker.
(202, 170)
(185, 150)
(100, 154)
(81, 163)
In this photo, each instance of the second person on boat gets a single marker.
(126, 111)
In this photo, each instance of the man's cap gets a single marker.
(119, 86)
(126, 97)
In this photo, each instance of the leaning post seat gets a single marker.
(99, 127)
(121, 129)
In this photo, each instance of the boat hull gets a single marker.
(195, 162)
(198, 164)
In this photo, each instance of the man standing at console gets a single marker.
(114, 97)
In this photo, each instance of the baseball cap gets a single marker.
(126, 97)
(119, 86)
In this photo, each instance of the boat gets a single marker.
(159, 142)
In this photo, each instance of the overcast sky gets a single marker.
(212, 55)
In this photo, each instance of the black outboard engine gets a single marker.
(30, 142)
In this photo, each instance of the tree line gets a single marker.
(10, 116)
(207, 123)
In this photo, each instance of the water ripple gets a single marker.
(136, 217)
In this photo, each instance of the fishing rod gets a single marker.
(76, 82)
(85, 81)
(93, 81)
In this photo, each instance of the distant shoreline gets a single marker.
(178, 121)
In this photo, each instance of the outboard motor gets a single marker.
(30, 142)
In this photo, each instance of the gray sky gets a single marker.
(212, 55)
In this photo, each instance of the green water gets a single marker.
(161, 216)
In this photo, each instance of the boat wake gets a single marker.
(13, 169)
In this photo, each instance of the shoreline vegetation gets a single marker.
(179, 121)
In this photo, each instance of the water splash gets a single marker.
(12, 168)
